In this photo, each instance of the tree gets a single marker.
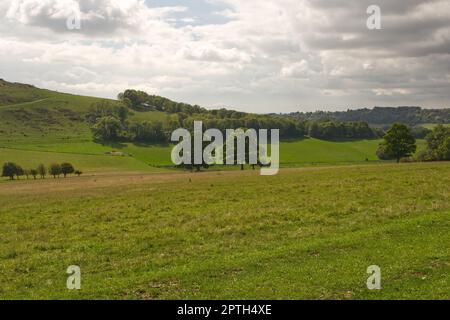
(67, 168)
(27, 173)
(34, 173)
(42, 171)
(107, 128)
(78, 173)
(19, 172)
(399, 142)
(438, 143)
(54, 170)
(9, 170)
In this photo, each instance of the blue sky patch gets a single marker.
(199, 12)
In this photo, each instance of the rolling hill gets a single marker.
(45, 126)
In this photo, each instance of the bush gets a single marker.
(42, 171)
(34, 173)
(382, 153)
(67, 168)
(55, 170)
(9, 170)
(438, 144)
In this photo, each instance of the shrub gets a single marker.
(42, 171)
(9, 170)
(55, 170)
(34, 173)
(67, 168)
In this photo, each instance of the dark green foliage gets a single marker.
(55, 170)
(142, 101)
(184, 115)
(107, 128)
(438, 145)
(42, 171)
(336, 130)
(67, 168)
(34, 173)
(12, 170)
(399, 142)
(106, 108)
(149, 132)
(9, 170)
(378, 115)
(19, 171)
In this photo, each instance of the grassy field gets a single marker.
(90, 156)
(305, 233)
(47, 126)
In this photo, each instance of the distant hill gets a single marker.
(381, 115)
(14, 93)
(44, 126)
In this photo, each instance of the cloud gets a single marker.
(267, 56)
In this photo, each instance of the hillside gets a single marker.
(15, 93)
(382, 115)
(45, 126)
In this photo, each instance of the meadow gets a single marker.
(140, 229)
(307, 233)
(42, 126)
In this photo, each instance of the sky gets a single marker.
(250, 55)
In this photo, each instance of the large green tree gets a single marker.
(399, 142)
(55, 170)
(9, 170)
(438, 145)
(67, 168)
(107, 128)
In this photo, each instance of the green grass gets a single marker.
(84, 162)
(307, 233)
(304, 234)
(53, 124)
(292, 154)
(319, 151)
(15, 93)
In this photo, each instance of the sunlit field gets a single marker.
(307, 233)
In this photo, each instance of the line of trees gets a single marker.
(381, 115)
(12, 170)
(399, 143)
(110, 122)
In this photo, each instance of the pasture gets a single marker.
(307, 233)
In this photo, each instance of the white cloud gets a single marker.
(271, 56)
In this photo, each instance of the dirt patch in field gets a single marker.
(106, 180)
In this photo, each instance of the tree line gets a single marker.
(12, 170)
(381, 115)
(400, 143)
(110, 122)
